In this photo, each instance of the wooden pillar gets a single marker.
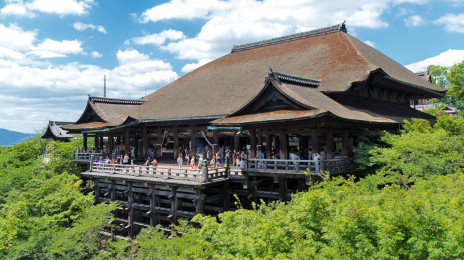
(175, 132)
(113, 191)
(283, 144)
(345, 142)
(253, 188)
(174, 204)
(85, 141)
(236, 142)
(193, 139)
(259, 139)
(110, 145)
(268, 146)
(101, 142)
(126, 141)
(282, 189)
(329, 143)
(226, 196)
(252, 143)
(215, 142)
(315, 141)
(96, 190)
(154, 216)
(144, 142)
(302, 145)
(159, 142)
(199, 201)
(130, 202)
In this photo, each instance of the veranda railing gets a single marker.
(333, 166)
(201, 175)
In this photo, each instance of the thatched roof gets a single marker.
(332, 57)
(318, 104)
(55, 132)
(106, 112)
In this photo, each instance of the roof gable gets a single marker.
(90, 115)
(270, 99)
(106, 112)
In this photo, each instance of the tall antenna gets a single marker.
(104, 85)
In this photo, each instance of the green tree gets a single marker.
(451, 78)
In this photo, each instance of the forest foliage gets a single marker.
(410, 207)
(43, 211)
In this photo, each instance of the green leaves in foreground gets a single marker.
(336, 219)
(422, 150)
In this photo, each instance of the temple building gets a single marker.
(319, 89)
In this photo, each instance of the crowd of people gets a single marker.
(196, 158)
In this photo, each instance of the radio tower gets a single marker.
(104, 85)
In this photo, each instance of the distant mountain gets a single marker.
(8, 137)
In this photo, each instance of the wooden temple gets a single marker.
(321, 90)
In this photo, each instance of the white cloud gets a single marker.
(372, 44)
(32, 94)
(53, 49)
(59, 7)
(447, 58)
(179, 9)
(239, 21)
(414, 20)
(15, 9)
(158, 38)
(452, 22)
(96, 54)
(15, 38)
(82, 27)
(16, 43)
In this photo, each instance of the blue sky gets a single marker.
(53, 53)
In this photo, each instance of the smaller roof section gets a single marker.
(281, 77)
(102, 112)
(55, 132)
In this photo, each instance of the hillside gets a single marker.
(8, 137)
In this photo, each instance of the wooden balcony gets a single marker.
(159, 174)
(313, 167)
(85, 157)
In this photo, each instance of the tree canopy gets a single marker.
(451, 78)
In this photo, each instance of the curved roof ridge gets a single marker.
(94, 99)
(292, 37)
(391, 67)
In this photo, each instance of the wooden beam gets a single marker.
(174, 204)
(282, 189)
(253, 143)
(130, 201)
(126, 141)
(199, 201)
(144, 142)
(227, 196)
(315, 141)
(283, 144)
(268, 146)
(329, 143)
(175, 133)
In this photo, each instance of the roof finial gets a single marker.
(104, 85)
(273, 75)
